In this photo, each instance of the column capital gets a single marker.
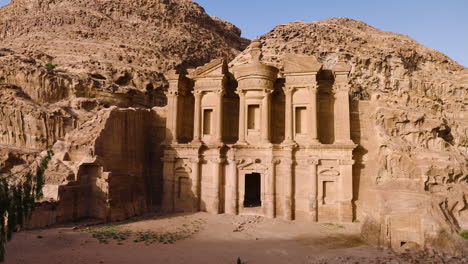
(289, 89)
(220, 92)
(267, 92)
(275, 161)
(347, 162)
(240, 92)
(313, 161)
(197, 92)
(171, 93)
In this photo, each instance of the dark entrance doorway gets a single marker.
(252, 190)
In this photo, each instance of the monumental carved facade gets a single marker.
(255, 139)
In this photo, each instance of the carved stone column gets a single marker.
(196, 183)
(313, 127)
(168, 183)
(288, 195)
(266, 107)
(197, 117)
(242, 117)
(342, 112)
(219, 116)
(171, 123)
(342, 118)
(346, 191)
(216, 166)
(232, 187)
(288, 139)
(313, 203)
(270, 190)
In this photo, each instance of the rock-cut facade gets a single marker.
(258, 140)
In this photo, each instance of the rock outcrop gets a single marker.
(64, 67)
(409, 119)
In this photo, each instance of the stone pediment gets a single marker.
(294, 63)
(215, 68)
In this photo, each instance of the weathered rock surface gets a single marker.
(84, 54)
(409, 117)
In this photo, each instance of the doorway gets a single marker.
(252, 197)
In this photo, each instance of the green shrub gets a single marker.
(50, 66)
(464, 234)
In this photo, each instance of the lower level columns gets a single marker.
(215, 203)
(232, 188)
(196, 183)
(288, 196)
(270, 197)
(346, 191)
(168, 184)
(313, 202)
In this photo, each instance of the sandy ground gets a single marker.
(216, 239)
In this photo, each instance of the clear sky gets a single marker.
(438, 24)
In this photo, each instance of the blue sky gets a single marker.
(441, 25)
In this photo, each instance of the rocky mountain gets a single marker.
(409, 117)
(87, 77)
(68, 58)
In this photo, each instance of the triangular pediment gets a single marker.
(294, 63)
(216, 67)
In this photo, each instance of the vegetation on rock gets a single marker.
(18, 194)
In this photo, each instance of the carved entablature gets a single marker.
(178, 84)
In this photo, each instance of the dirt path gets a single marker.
(204, 238)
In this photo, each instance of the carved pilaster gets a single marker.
(288, 91)
(288, 197)
(168, 183)
(197, 117)
(242, 117)
(313, 202)
(195, 161)
(313, 127)
(266, 116)
(270, 196)
(346, 191)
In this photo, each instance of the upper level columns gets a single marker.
(242, 117)
(288, 91)
(301, 91)
(179, 87)
(342, 114)
(313, 124)
(209, 90)
(266, 116)
(219, 116)
(197, 117)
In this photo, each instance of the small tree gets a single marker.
(18, 195)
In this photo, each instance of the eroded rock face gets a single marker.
(64, 65)
(86, 55)
(409, 118)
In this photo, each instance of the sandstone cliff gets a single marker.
(409, 119)
(65, 64)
